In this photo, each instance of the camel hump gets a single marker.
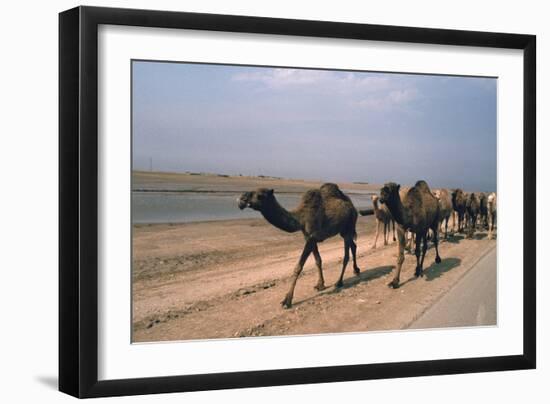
(312, 197)
(332, 190)
(423, 186)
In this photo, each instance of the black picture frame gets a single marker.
(78, 201)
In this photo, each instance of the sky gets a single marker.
(326, 125)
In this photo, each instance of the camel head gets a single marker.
(374, 198)
(389, 191)
(457, 196)
(256, 200)
(437, 194)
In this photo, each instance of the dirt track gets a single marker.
(226, 279)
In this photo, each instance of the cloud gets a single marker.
(376, 91)
(389, 99)
(402, 96)
(317, 80)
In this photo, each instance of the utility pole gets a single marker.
(151, 164)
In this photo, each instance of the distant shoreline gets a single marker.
(144, 181)
(211, 191)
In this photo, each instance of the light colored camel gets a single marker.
(445, 208)
(383, 217)
(492, 213)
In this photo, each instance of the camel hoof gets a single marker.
(438, 259)
(286, 303)
(418, 272)
(319, 287)
(394, 284)
(373, 247)
(339, 284)
(356, 271)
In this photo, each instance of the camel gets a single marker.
(321, 214)
(445, 208)
(492, 212)
(383, 216)
(483, 213)
(458, 199)
(472, 206)
(416, 210)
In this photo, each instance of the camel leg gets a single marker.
(453, 213)
(413, 241)
(353, 248)
(393, 225)
(409, 241)
(321, 282)
(436, 244)
(419, 238)
(287, 301)
(472, 226)
(420, 271)
(446, 225)
(340, 281)
(377, 232)
(401, 241)
(386, 231)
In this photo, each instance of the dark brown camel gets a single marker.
(416, 210)
(472, 207)
(322, 213)
(459, 205)
(483, 213)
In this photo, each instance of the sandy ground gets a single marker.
(226, 279)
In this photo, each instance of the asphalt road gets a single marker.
(471, 302)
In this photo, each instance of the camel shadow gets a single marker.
(477, 236)
(364, 276)
(454, 238)
(435, 271)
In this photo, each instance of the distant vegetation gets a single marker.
(270, 176)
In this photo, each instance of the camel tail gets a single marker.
(366, 212)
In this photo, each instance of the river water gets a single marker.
(186, 207)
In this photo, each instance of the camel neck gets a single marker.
(280, 217)
(397, 210)
(375, 205)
